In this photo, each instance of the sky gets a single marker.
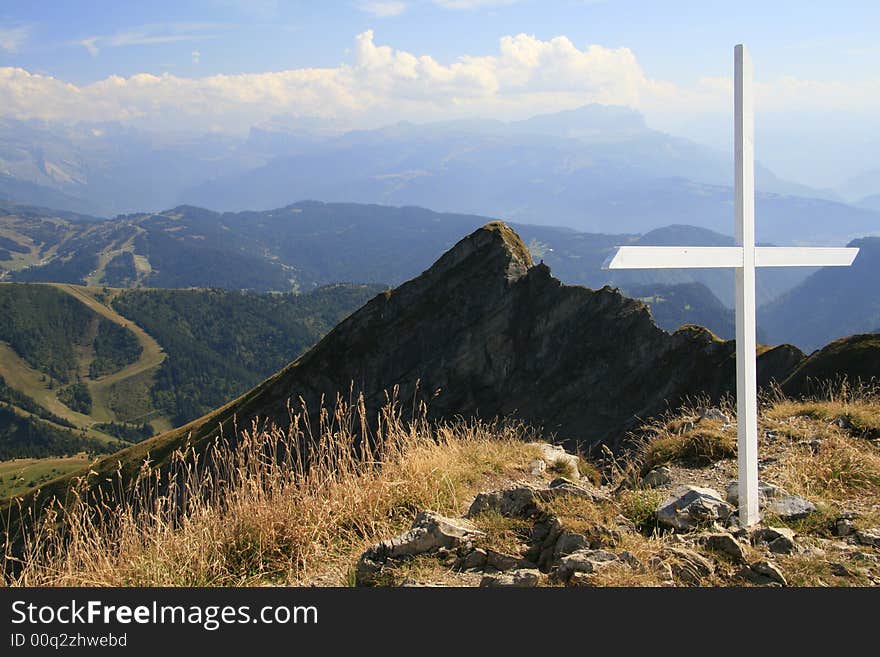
(224, 65)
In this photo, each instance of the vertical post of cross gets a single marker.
(746, 365)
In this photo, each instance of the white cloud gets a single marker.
(13, 38)
(526, 75)
(151, 35)
(89, 44)
(382, 8)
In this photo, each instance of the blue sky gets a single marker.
(227, 64)
(677, 40)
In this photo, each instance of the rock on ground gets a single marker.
(689, 566)
(430, 532)
(524, 578)
(766, 491)
(688, 507)
(760, 571)
(869, 536)
(779, 539)
(657, 477)
(791, 507)
(726, 544)
(558, 460)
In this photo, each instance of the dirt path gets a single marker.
(151, 356)
(21, 376)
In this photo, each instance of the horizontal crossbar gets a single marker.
(674, 257)
(690, 257)
(796, 256)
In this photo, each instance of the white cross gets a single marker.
(743, 258)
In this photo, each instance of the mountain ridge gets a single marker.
(311, 243)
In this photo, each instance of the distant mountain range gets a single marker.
(597, 169)
(310, 244)
(832, 303)
(871, 202)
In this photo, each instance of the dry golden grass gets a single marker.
(683, 436)
(841, 469)
(812, 570)
(700, 445)
(855, 407)
(251, 518)
(503, 534)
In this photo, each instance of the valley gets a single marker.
(60, 394)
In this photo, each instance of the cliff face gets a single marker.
(486, 332)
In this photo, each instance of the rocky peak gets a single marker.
(485, 263)
(495, 248)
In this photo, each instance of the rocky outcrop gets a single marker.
(485, 332)
(550, 550)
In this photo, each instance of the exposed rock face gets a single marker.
(487, 332)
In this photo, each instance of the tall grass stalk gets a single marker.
(272, 506)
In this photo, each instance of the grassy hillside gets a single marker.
(92, 369)
(20, 474)
(221, 343)
(59, 336)
(313, 516)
